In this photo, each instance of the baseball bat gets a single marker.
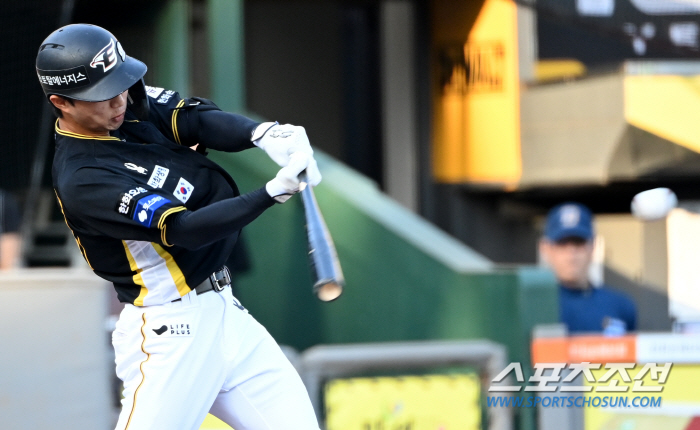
(326, 273)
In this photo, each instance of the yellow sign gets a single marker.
(477, 118)
(666, 106)
(679, 404)
(431, 402)
(213, 423)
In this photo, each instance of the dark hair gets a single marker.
(57, 111)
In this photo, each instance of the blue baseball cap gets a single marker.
(569, 220)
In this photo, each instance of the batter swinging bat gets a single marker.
(327, 276)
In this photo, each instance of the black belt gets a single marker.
(217, 281)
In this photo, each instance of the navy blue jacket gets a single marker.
(596, 310)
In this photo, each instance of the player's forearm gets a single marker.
(194, 229)
(225, 131)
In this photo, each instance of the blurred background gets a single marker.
(445, 131)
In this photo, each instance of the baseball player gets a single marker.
(158, 219)
(567, 246)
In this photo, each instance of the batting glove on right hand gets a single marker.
(287, 183)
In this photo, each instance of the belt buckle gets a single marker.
(220, 279)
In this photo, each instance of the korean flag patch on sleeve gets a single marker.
(183, 191)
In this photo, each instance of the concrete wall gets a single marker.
(55, 368)
(570, 131)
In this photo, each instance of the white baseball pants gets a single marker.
(205, 354)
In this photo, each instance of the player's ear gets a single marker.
(59, 103)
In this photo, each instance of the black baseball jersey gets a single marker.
(118, 193)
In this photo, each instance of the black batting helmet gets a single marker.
(86, 62)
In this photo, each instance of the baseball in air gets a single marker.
(654, 204)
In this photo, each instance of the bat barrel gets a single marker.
(328, 291)
(327, 275)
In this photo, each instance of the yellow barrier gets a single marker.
(428, 402)
(680, 401)
(213, 423)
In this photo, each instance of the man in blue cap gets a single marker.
(567, 246)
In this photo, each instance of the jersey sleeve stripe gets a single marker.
(138, 280)
(163, 237)
(174, 121)
(161, 222)
(174, 269)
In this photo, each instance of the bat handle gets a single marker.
(303, 179)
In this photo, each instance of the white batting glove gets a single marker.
(281, 141)
(286, 183)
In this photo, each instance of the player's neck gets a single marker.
(576, 284)
(66, 124)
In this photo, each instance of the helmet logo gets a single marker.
(121, 51)
(107, 57)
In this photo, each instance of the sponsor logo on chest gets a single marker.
(153, 92)
(160, 95)
(158, 177)
(132, 166)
